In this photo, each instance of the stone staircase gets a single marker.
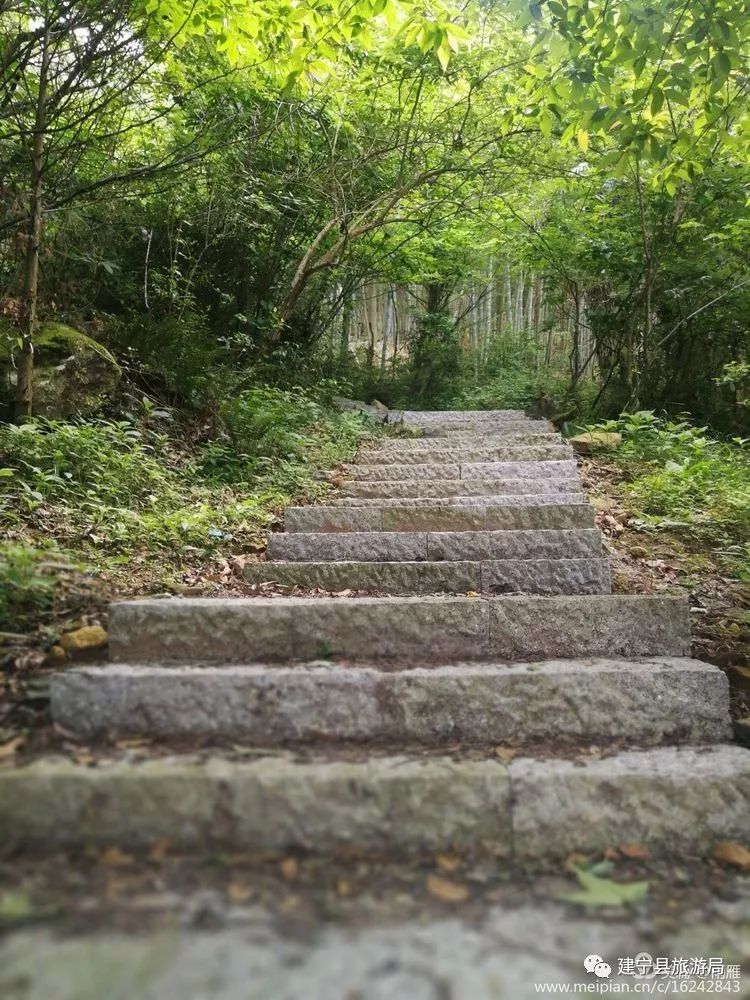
(477, 683)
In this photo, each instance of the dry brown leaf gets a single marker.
(343, 888)
(159, 849)
(636, 852)
(731, 853)
(238, 892)
(289, 869)
(133, 744)
(611, 854)
(506, 754)
(113, 857)
(447, 862)
(445, 890)
(9, 749)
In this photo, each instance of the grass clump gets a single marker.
(682, 478)
(126, 493)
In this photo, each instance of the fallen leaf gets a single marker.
(731, 853)
(9, 749)
(16, 905)
(238, 892)
(343, 888)
(506, 754)
(113, 857)
(445, 890)
(159, 849)
(636, 852)
(289, 869)
(596, 891)
(447, 862)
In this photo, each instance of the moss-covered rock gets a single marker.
(591, 441)
(73, 375)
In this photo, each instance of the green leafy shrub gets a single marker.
(27, 584)
(683, 478)
(107, 462)
(270, 422)
(110, 489)
(277, 434)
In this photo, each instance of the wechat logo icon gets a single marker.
(596, 965)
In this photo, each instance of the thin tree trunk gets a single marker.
(24, 395)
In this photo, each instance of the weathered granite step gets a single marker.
(517, 576)
(468, 517)
(452, 416)
(446, 430)
(486, 453)
(644, 702)
(400, 546)
(476, 424)
(478, 500)
(395, 629)
(676, 801)
(426, 488)
(561, 469)
(506, 439)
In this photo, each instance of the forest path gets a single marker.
(471, 681)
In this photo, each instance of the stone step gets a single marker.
(506, 439)
(452, 416)
(469, 517)
(560, 469)
(478, 500)
(643, 702)
(518, 576)
(675, 801)
(474, 427)
(427, 488)
(448, 454)
(418, 546)
(381, 629)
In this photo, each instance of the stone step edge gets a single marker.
(439, 489)
(466, 456)
(466, 517)
(489, 576)
(395, 629)
(646, 702)
(434, 546)
(676, 801)
(473, 500)
(563, 468)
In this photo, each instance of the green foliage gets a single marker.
(27, 584)
(434, 358)
(109, 489)
(91, 463)
(683, 479)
